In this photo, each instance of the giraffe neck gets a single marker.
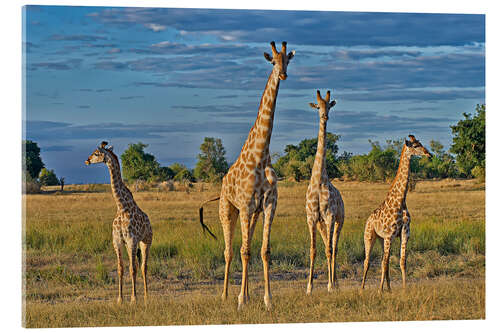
(121, 193)
(319, 167)
(260, 135)
(399, 186)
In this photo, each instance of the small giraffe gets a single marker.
(324, 204)
(249, 187)
(130, 226)
(392, 218)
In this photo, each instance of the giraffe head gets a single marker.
(100, 155)
(279, 60)
(414, 147)
(324, 105)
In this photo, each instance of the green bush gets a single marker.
(48, 177)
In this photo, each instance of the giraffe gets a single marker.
(391, 218)
(130, 226)
(324, 204)
(249, 187)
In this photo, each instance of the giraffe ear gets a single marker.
(110, 148)
(407, 143)
(291, 55)
(332, 103)
(314, 106)
(268, 57)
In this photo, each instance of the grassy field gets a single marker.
(70, 267)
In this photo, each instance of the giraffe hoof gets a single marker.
(309, 289)
(267, 302)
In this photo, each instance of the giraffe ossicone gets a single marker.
(131, 225)
(249, 187)
(324, 204)
(392, 218)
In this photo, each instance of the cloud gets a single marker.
(65, 65)
(84, 38)
(113, 50)
(364, 54)
(49, 130)
(155, 27)
(344, 28)
(131, 97)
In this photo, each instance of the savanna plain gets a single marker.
(70, 274)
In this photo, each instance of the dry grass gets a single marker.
(71, 270)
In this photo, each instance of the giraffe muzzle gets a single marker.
(283, 76)
(87, 162)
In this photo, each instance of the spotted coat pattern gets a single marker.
(249, 187)
(324, 204)
(131, 226)
(392, 218)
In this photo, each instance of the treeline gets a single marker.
(464, 159)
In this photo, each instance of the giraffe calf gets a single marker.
(392, 218)
(130, 226)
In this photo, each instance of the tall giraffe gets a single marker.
(130, 226)
(391, 218)
(249, 187)
(324, 204)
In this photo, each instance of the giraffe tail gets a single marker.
(203, 225)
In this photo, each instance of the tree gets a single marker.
(32, 162)
(181, 172)
(48, 177)
(212, 164)
(136, 164)
(298, 160)
(469, 142)
(381, 163)
(61, 182)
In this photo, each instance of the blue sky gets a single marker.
(170, 77)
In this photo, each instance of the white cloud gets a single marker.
(155, 27)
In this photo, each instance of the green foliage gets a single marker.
(137, 164)
(298, 160)
(212, 164)
(440, 165)
(32, 162)
(469, 141)
(185, 175)
(48, 177)
(380, 164)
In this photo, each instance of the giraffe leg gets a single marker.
(405, 235)
(117, 245)
(228, 214)
(145, 246)
(132, 255)
(369, 239)
(326, 235)
(312, 254)
(246, 234)
(336, 234)
(265, 253)
(328, 251)
(385, 265)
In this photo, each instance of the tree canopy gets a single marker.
(298, 160)
(137, 164)
(469, 141)
(32, 162)
(212, 164)
(48, 177)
